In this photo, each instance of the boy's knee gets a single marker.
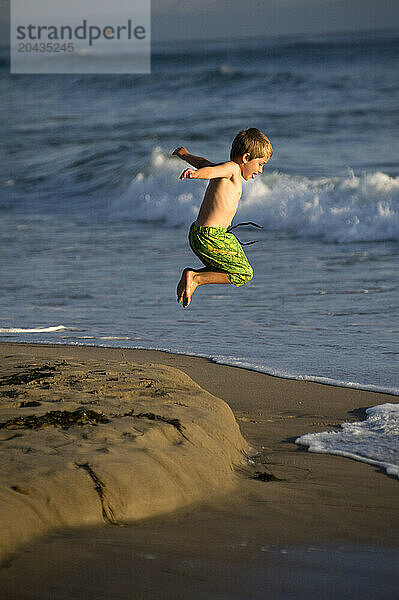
(249, 274)
(242, 277)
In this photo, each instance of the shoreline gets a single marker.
(287, 499)
(306, 378)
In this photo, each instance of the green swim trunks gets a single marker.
(220, 250)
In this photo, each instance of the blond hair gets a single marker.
(253, 142)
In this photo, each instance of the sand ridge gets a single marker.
(83, 442)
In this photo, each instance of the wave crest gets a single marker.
(349, 208)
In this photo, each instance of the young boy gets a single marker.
(219, 250)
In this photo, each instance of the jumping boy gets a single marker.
(219, 250)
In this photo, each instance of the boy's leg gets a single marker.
(192, 278)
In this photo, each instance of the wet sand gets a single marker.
(292, 524)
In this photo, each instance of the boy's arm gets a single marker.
(227, 169)
(195, 161)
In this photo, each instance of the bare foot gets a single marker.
(181, 286)
(190, 286)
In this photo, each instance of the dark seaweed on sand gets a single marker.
(57, 418)
(32, 375)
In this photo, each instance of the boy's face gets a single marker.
(250, 168)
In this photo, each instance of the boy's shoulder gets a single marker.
(231, 166)
(235, 169)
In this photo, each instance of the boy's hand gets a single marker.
(188, 174)
(180, 151)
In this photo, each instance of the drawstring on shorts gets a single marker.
(230, 229)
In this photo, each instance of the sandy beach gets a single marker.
(176, 477)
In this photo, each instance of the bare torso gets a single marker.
(220, 202)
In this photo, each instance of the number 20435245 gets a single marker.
(45, 47)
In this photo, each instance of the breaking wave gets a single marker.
(349, 208)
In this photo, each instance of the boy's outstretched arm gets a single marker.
(227, 169)
(195, 161)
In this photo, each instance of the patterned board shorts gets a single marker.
(220, 250)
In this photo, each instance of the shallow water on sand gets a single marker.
(151, 560)
(313, 310)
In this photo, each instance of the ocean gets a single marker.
(94, 220)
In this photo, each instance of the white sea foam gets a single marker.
(33, 329)
(287, 374)
(349, 208)
(114, 337)
(374, 441)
